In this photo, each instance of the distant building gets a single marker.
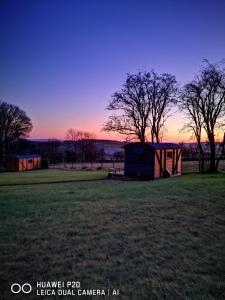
(24, 162)
(152, 160)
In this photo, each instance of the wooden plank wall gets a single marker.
(173, 164)
(29, 164)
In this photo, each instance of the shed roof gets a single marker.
(155, 145)
(24, 156)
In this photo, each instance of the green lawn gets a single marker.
(48, 176)
(160, 239)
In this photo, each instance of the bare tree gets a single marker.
(14, 124)
(190, 105)
(53, 152)
(162, 97)
(143, 104)
(203, 100)
(83, 143)
(73, 136)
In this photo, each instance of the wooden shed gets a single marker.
(152, 160)
(24, 162)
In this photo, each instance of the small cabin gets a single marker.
(24, 162)
(152, 160)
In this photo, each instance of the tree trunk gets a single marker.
(142, 136)
(222, 152)
(157, 138)
(1, 151)
(202, 164)
(202, 161)
(212, 167)
(152, 135)
(5, 150)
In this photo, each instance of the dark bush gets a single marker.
(44, 164)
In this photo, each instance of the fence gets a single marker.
(187, 166)
(87, 165)
(193, 165)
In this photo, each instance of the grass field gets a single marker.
(162, 239)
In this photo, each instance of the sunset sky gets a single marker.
(61, 61)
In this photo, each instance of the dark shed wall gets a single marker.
(12, 165)
(139, 162)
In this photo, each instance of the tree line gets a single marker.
(141, 108)
(140, 111)
(72, 151)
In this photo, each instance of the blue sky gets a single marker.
(61, 60)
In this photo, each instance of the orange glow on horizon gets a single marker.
(59, 130)
(170, 136)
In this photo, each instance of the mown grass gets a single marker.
(48, 176)
(152, 240)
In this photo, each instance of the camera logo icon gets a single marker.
(16, 288)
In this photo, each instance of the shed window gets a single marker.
(169, 155)
(30, 161)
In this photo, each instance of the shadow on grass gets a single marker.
(52, 182)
